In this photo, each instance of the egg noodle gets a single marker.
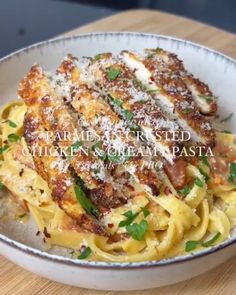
(147, 226)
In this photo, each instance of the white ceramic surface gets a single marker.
(19, 243)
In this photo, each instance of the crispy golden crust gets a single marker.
(127, 89)
(174, 93)
(201, 92)
(100, 116)
(52, 168)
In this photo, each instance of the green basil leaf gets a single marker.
(137, 230)
(85, 253)
(85, 202)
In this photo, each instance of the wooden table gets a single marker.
(14, 280)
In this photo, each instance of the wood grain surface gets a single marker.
(16, 281)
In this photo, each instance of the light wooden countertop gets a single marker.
(16, 281)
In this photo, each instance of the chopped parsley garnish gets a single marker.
(76, 145)
(80, 183)
(232, 175)
(134, 127)
(113, 158)
(137, 230)
(150, 55)
(113, 73)
(206, 176)
(117, 102)
(138, 84)
(130, 216)
(13, 137)
(142, 101)
(22, 215)
(85, 253)
(145, 211)
(1, 186)
(85, 202)
(198, 182)
(208, 97)
(97, 57)
(96, 170)
(153, 91)
(185, 111)
(192, 245)
(204, 160)
(226, 131)
(185, 191)
(97, 148)
(3, 148)
(159, 49)
(12, 124)
(226, 119)
(128, 115)
(210, 242)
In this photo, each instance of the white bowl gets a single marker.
(19, 243)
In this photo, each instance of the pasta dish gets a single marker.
(120, 158)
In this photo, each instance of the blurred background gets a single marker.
(23, 22)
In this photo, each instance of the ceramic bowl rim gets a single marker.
(115, 265)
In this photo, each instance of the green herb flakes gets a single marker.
(145, 211)
(97, 57)
(86, 253)
(232, 175)
(226, 119)
(130, 216)
(13, 137)
(198, 182)
(112, 73)
(192, 245)
(138, 230)
(3, 148)
(204, 160)
(12, 124)
(1, 186)
(85, 202)
(185, 191)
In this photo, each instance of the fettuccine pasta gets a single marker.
(132, 212)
